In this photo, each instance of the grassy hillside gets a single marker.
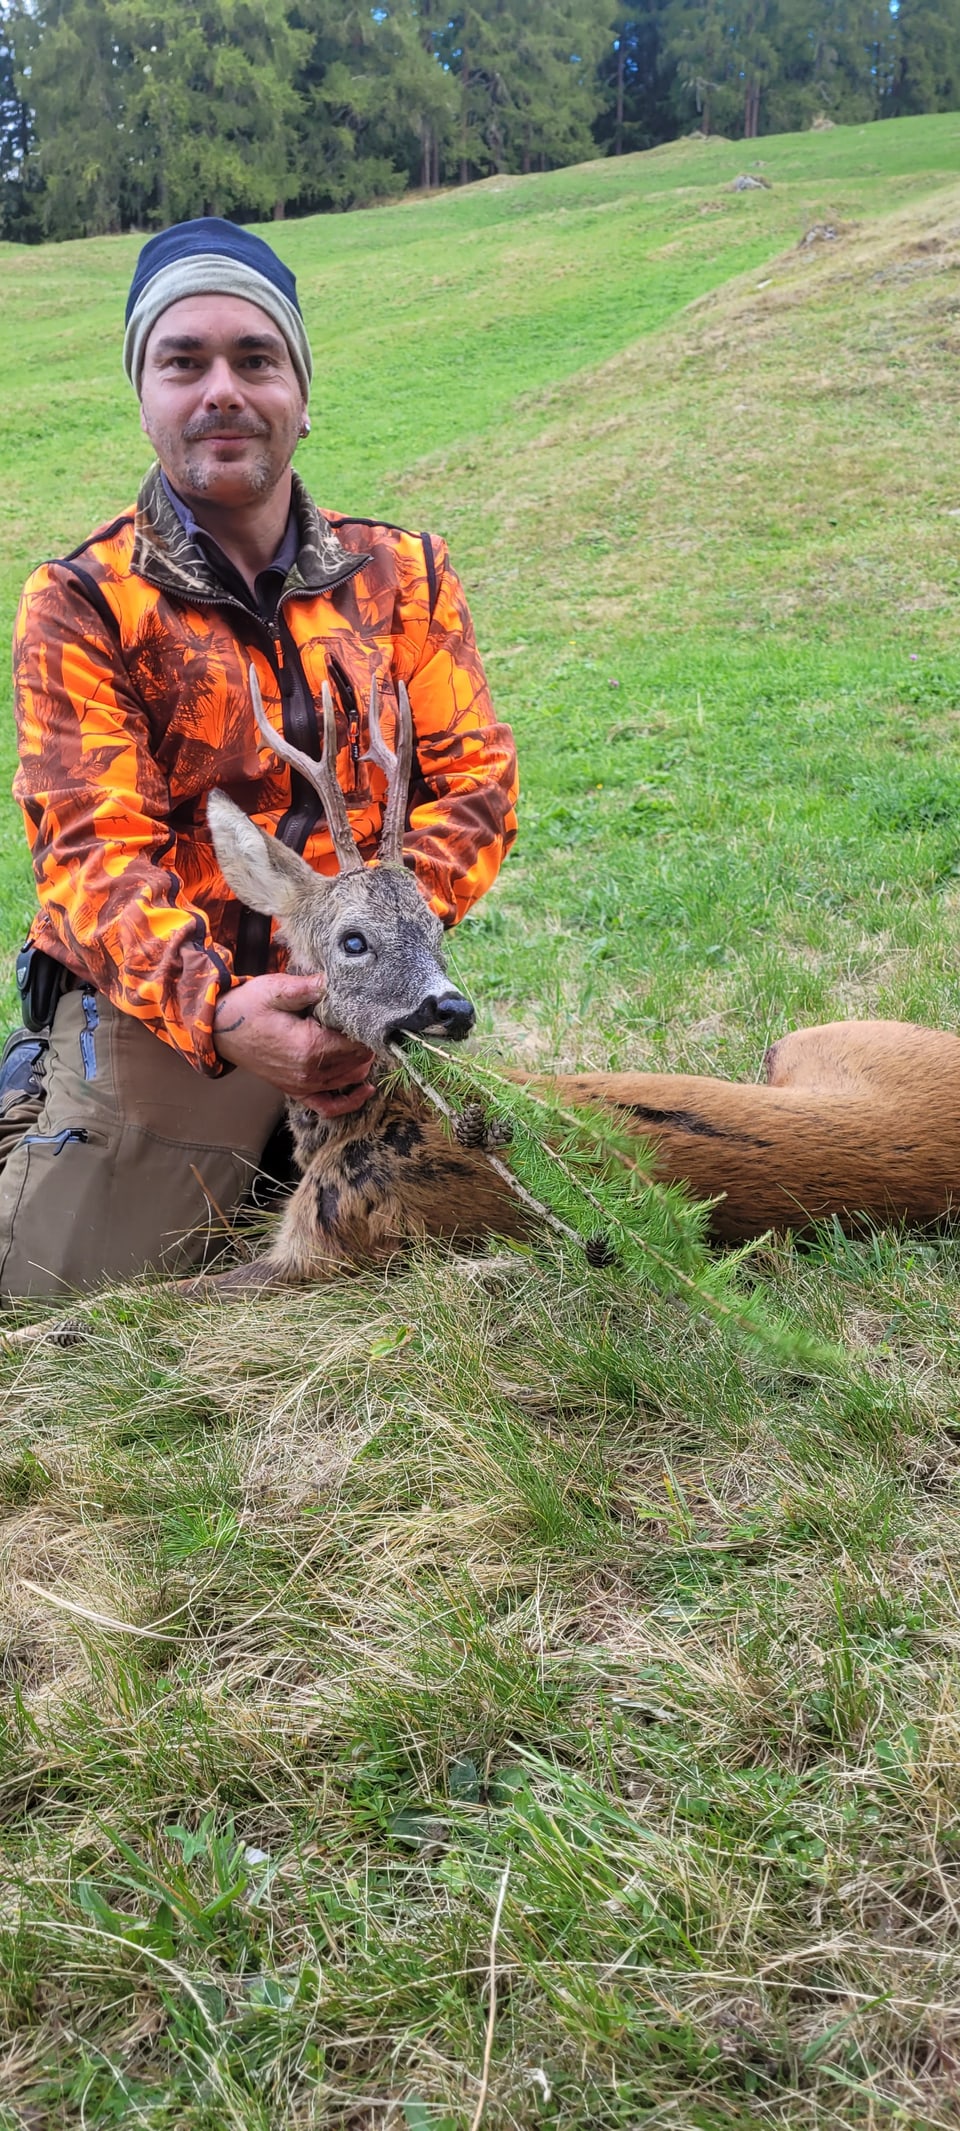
(318, 1613)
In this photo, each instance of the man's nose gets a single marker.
(221, 384)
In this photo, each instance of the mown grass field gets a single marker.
(318, 1613)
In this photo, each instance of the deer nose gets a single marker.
(456, 1016)
(452, 1017)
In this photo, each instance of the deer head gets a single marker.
(370, 929)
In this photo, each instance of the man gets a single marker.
(170, 1033)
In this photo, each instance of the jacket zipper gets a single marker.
(295, 826)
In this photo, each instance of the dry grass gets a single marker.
(434, 1576)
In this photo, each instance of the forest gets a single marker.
(128, 114)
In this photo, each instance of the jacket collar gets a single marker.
(165, 554)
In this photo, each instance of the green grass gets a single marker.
(525, 1563)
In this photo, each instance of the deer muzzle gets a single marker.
(450, 1017)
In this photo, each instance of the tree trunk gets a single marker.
(464, 117)
(425, 154)
(279, 210)
(618, 121)
(751, 111)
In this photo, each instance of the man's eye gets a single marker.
(354, 944)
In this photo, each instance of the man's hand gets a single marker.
(261, 1025)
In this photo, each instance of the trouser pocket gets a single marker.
(80, 1207)
(52, 1191)
(134, 1163)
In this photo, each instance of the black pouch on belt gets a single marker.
(41, 981)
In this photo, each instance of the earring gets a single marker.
(305, 426)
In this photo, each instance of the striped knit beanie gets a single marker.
(206, 258)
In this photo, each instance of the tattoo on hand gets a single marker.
(226, 1028)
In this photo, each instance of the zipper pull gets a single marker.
(284, 675)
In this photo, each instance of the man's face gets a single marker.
(220, 400)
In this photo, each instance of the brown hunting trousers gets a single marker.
(129, 1162)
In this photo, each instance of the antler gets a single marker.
(396, 769)
(322, 775)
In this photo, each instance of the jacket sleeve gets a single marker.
(96, 807)
(462, 821)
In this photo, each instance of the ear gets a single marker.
(261, 871)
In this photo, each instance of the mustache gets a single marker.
(215, 426)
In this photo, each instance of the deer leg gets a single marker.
(256, 1277)
(886, 1059)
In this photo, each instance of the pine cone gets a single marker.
(71, 1333)
(499, 1132)
(599, 1252)
(470, 1125)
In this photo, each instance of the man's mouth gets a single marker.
(225, 436)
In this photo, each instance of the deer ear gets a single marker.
(261, 871)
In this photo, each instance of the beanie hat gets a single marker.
(209, 257)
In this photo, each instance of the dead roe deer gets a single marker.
(855, 1119)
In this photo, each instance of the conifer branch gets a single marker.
(793, 1349)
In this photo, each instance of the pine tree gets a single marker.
(146, 111)
(860, 32)
(344, 148)
(428, 90)
(754, 28)
(554, 92)
(699, 51)
(67, 51)
(120, 113)
(528, 77)
(209, 105)
(19, 186)
(925, 59)
(638, 110)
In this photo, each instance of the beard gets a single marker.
(231, 484)
(259, 474)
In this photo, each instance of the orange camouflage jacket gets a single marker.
(132, 701)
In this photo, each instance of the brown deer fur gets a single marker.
(857, 1119)
(372, 1182)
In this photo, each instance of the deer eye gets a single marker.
(353, 943)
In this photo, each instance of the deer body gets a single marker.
(853, 1119)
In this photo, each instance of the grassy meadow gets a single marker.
(319, 1614)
